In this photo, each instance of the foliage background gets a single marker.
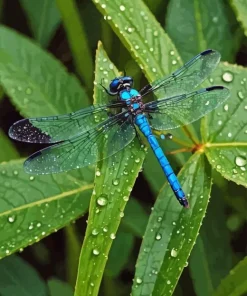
(70, 31)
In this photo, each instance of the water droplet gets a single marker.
(174, 223)
(121, 214)
(186, 264)
(229, 135)
(174, 253)
(219, 122)
(112, 236)
(240, 161)
(226, 107)
(105, 229)
(158, 236)
(227, 77)
(7, 252)
(207, 103)
(218, 167)
(15, 173)
(11, 219)
(168, 282)
(159, 219)
(125, 198)
(138, 280)
(31, 178)
(97, 173)
(115, 182)
(96, 252)
(122, 8)
(234, 171)
(95, 232)
(240, 95)
(137, 160)
(174, 62)
(172, 52)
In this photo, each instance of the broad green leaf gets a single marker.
(37, 83)
(225, 130)
(194, 26)
(59, 288)
(17, 277)
(77, 39)
(235, 284)
(211, 257)
(143, 36)
(135, 218)
(172, 231)
(115, 177)
(123, 245)
(240, 8)
(43, 17)
(33, 207)
(8, 150)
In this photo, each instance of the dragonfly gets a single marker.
(99, 131)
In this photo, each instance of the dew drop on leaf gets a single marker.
(115, 182)
(112, 236)
(227, 77)
(122, 8)
(240, 95)
(95, 232)
(240, 161)
(102, 200)
(31, 178)
(96, 252)
(138, 280)
(158, 236)
(226, 107)
(11, 219)
(174, 253)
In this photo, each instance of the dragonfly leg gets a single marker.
(105, 89)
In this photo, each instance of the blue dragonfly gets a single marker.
(97, 132)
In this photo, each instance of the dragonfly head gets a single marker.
(120, 83)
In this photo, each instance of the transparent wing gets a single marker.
(185, 79)
(104, 140)
(54, 129)
(184, 109)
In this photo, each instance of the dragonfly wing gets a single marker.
(54, 129)
(104, 140)
(185, 79)
(184, 109)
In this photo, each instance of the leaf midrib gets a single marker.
(49, 199)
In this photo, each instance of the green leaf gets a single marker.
(17, 277)
(235, 284)
(8, 150)
(135, 218)
(115, 177)
(211, 258)
(240, 8)
(225, 130)
(59, 288)
(43, 17)
(172, 231)
(77, 39)
(33, 207)
(123, 245)
(194, 26)
(38, 84)
(142, 35)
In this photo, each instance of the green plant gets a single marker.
(32, 207)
